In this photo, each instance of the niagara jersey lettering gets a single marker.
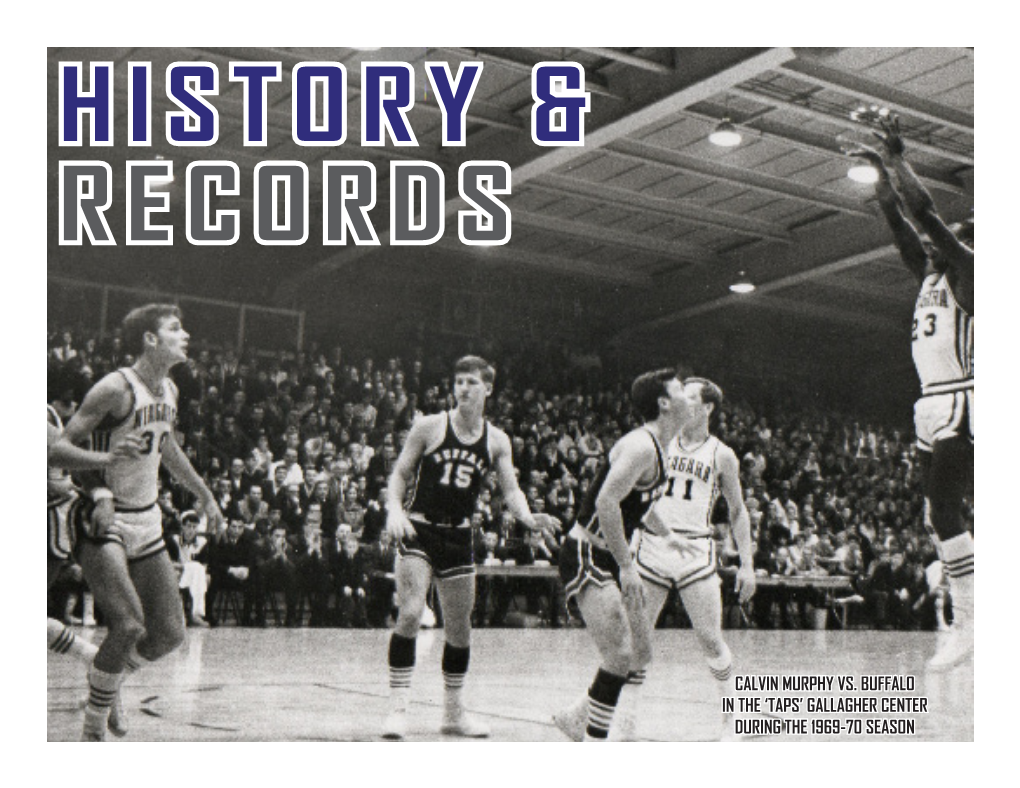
(633, 507)
(152, 418)
(692, 488)
(449, 479)
(942, 339)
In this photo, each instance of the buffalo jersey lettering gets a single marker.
(449, 479)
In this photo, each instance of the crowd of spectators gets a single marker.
(298, 446)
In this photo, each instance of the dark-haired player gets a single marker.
(943, 350)
(698, 468)
(595, 561)
(120, 547)
(441, 469)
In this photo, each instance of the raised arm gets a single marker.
(921, 205)
(740, 521)
(905, 235)
(515, 499)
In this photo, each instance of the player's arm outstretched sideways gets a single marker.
(740, 521)
(422, 433)
(516, 500)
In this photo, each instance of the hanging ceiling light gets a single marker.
(742, 285)
(862, 173)
(725, 135)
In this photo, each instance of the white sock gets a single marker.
(62, 640)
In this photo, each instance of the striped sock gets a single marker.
(958, 556)
(455, 666)
(103, 689)
(603, 696)
(62, 640)
(721, 668)
(401, 661)
(630, 695)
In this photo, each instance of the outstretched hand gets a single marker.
(890, 136)
(866, 152)
(546, 523)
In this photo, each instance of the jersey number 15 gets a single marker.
(461, 479)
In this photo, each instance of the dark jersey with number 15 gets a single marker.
(449, 479)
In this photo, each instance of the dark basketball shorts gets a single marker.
(60, 517)
(448, 550)
(581, 563)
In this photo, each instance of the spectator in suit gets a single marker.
(350, 574)
(277, 571)
(315, 581)
(252, 507)
(381, 558)
(231, 560)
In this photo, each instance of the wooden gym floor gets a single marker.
(233, 684)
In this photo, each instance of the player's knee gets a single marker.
(167, 639)
(408, 621)
(641, 656)
(127, 629)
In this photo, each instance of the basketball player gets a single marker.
(446, 456)
(595, 561)
(943, 350)
(120, 547)
(699, 466)
(62, 506)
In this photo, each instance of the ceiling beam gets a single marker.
(802, 308)
(856, 287)
(776, 285)
(844, 121)
(592, 82)
(547, 262)
(739, 176)
(818, 144)
(659, 110)
(628, 59)
(893, 98)
(546, 162)
(672, 207)
(618, 237)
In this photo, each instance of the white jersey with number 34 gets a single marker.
(134, 483)
(692, 488)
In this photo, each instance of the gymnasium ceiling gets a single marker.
(648, 207)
